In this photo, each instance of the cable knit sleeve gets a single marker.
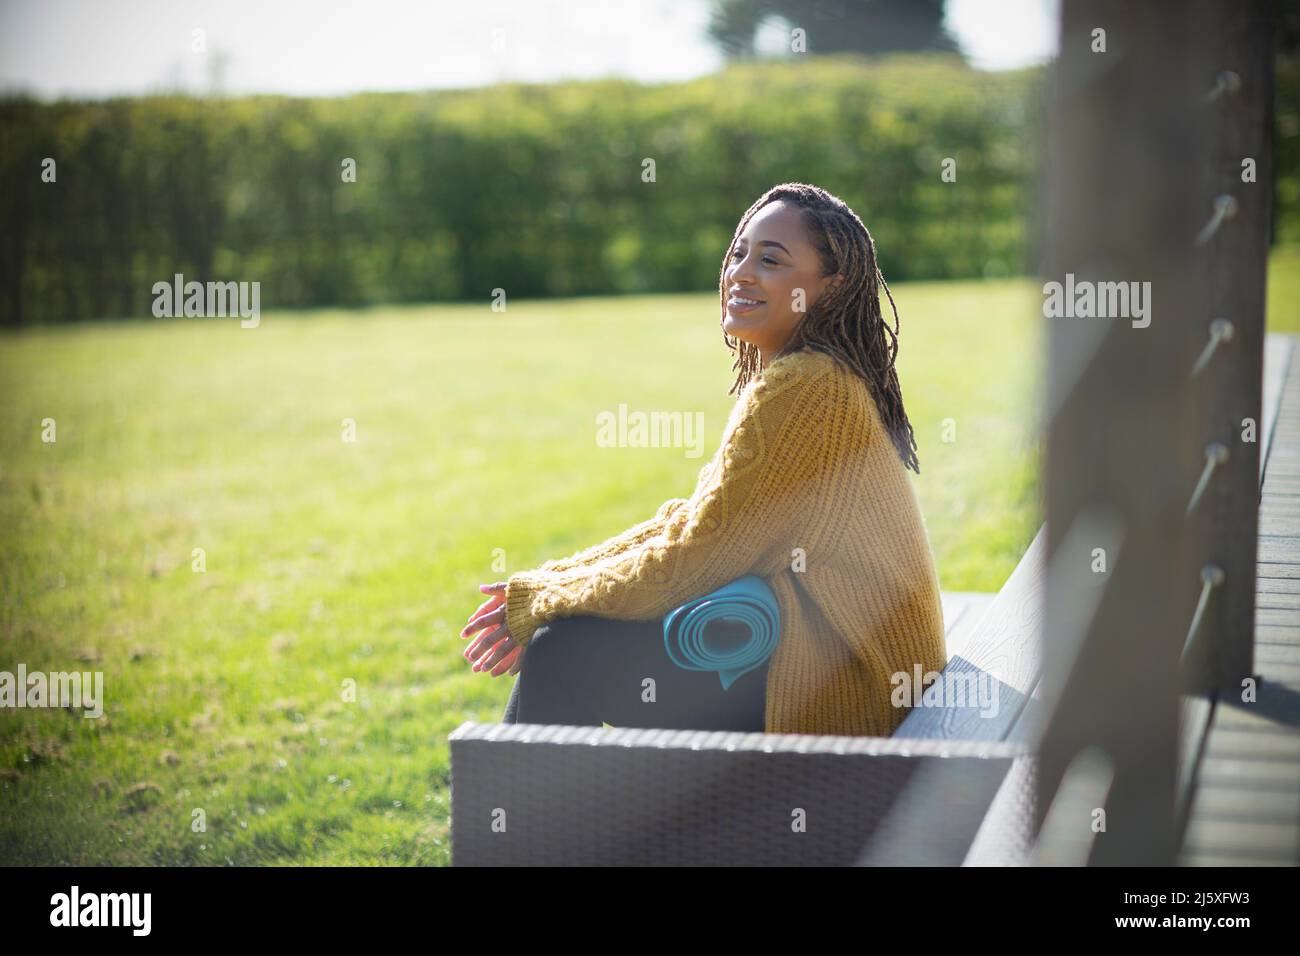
(754, 503)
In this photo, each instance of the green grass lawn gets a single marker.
(329, 561)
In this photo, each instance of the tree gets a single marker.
(835, 26)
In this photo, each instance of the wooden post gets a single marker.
(1239, 102)
(1127, 167)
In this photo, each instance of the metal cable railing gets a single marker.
(1223, 124)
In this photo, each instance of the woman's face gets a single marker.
(774, 264)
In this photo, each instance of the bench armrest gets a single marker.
(539, 794)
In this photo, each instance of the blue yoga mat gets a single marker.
(746, 603)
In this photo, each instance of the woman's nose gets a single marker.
(740, 274)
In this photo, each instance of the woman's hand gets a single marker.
(494, 649)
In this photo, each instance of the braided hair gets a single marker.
(846, 321)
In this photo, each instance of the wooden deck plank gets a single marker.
(1240, 746)
(1227, 859)
(1288, 677)
(1258, 717)
(1281, 487)
(1265, 570)
(1278, 586)
(1279, 653)
(1279, 549)
(1277, 359)
(1247, 774)
(954, 605)
(1277, 841)
(968, 607)
(1269, 805)
(1275, 617)
(1272, 634)
(1245, 809)
(1275, 524)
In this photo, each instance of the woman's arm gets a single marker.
(750, 509)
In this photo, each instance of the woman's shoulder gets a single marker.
(796, 368)
(823, 386)
(803, 363)
(801, 384)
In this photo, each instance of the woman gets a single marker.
(809, 490)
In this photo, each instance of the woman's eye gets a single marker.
(764, 259)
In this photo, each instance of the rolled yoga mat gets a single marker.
(731, 630)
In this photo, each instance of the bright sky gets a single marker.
(325, 47)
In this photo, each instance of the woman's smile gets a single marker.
(740, 304)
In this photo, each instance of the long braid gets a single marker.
(846, 321)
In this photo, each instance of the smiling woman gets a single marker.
(817, 286)
(809, 492)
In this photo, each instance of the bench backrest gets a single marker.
(1002, 658)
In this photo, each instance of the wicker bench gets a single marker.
(533, 794)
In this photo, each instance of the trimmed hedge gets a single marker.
(536, 189)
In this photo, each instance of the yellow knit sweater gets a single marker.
(808, 492)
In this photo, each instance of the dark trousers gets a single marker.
(590, 670)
